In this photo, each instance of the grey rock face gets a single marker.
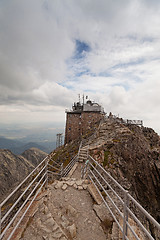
(132, 155)
(34, 155)
(14, 168)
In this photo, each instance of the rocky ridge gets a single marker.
(34, 155)
(14, 168)
(132, 155)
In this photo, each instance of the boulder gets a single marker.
(72, 230)
(102, 212)
(71, 210)
(64, 187)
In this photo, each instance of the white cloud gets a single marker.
(39, 73)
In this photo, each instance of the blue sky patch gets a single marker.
(77, 64)
(124, 65)
(81, 49)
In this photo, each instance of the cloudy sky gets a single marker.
(52, 50)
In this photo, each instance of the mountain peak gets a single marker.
(34, 155)
(14, 168)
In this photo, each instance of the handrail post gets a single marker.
(87, 151)
(47, 161)
(125, 215)
(79, 150)
(61, 171)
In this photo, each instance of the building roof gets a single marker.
(89, 106)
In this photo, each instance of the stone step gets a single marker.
(83, 151)
(84, 148)
(82, 160)
(79, 184)
(82, 156)
(94, 193)
(47, 227)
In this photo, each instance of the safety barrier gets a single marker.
(68, 168)
(121, 208)
(21, 199)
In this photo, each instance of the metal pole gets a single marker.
(87, 151)
(61, 171)
(125, 215)
(79, 150)
(47, 172)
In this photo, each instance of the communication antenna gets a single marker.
(79, 98)
(59, 140)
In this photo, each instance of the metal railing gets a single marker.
(54, 168)
(15, 206)
(133, 122)
(121, 205)
(125, 121)
(70, 165)
(73, 161)
(121, 209)
(68, 168)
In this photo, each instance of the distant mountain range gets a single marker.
(18, 147)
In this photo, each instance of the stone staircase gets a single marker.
(45, 227)
(83, 154)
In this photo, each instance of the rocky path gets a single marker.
(67, 211)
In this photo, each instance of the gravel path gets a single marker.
(66, 213)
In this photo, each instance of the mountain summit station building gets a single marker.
(81, 119)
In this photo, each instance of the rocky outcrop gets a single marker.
(34, 155)
(13, 168)
(132, 155)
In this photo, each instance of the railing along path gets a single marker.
(23, 196)
(21, 199)
(26, 192)
(121, 204)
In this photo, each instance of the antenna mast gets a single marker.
(59, 140)
(83, 99)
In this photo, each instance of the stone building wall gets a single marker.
(77, 124)
(89, 119)
(73, 126)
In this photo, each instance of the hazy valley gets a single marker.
(19, 138)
